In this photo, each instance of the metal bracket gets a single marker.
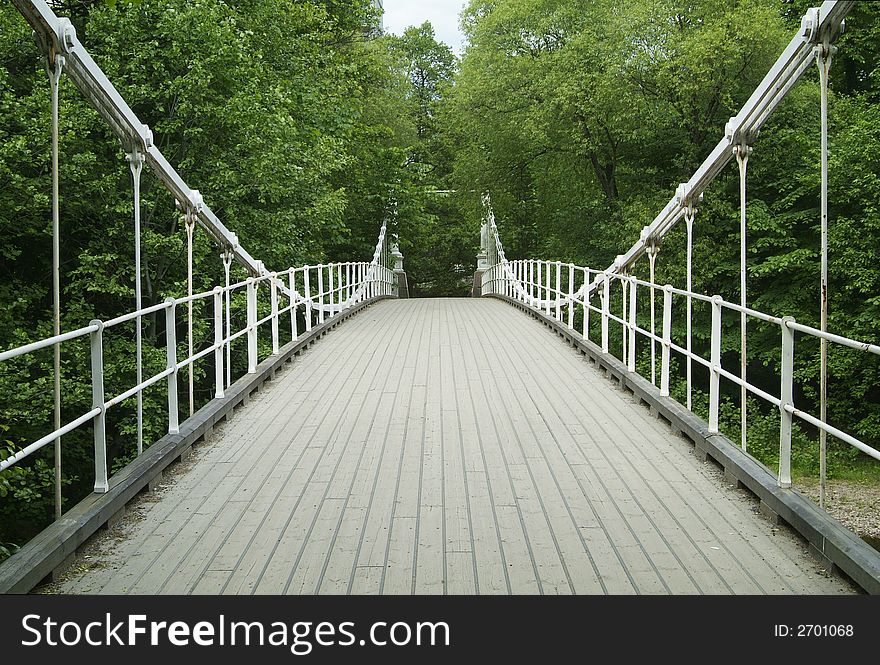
(815, 33)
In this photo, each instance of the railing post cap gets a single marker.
(667, 288)
(98, 323)
(787, 321)
(218, 289)
(170, 301)
(717, 300)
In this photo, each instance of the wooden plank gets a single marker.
(447, 446)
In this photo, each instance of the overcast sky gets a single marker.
(443, 15)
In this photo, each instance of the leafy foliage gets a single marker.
(283, 113)
(582, 117)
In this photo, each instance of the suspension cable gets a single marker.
(54, 66)
(136, 164)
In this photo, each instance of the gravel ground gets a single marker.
(856, 505)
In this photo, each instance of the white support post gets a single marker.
(330, 284)
(252, 325)
(291, 281)
(606, 300)
(320, 294)
(171, 364)
(633, 322)
(532, 282)
(571, 301)
(715, 365)
(273, 299)
(97, 358)
(307, 293)
(219, 393)
(586, 333)
(786, 397)
(538, 283)
(547, 288)
(559, 290)
(340, 295)
(667, 340)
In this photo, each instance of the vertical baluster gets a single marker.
(667, 340)
(171, 364)
(606, 300)
(330, 282)
(273, 299)
(340, 293)
(715, 365)
(321, 294)
(547, 288)
(97, 361)
(786, 397)
(559, 290)
(294, 307)
(252, 325)
(218, 344)
(586, 332)
(307, 291)
(536, 284)
(633, 323)
(571, 300)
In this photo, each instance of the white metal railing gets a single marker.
(531, 281)
(558, 290)
(322, 291)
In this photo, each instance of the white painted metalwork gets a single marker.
(824, 53)
(54, 66)
(372, 278)
(819, 28)
(502, 278)
(742, 153)
(354, 282)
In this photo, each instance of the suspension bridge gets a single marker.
(379, 444)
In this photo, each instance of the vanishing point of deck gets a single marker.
(445, 446)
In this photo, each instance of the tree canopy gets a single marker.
(304, 129)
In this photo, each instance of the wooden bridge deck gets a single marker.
(445, 446)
